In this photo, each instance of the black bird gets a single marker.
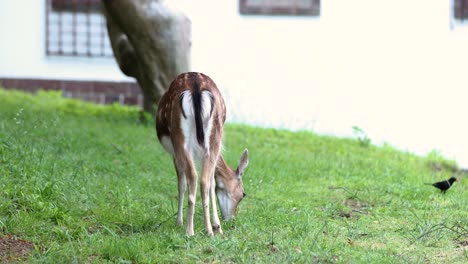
(444, 185)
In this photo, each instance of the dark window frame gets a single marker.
(76, 5)
(76, 28)
(460, 10)
(279, 8)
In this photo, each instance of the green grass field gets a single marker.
(82, 183)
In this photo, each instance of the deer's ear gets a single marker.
(244, 161)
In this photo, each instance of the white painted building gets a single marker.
(395, 68)
(23, 51)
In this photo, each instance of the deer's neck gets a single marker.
(223, 171)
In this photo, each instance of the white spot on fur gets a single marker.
(187, 104)
(188, 127)
(206, 104)
(207, 118)
(160, 114)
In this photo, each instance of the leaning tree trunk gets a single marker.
(150, 43)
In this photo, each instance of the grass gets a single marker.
(91, 184)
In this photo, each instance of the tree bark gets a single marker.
(151, 43)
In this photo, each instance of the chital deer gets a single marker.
(189, 124)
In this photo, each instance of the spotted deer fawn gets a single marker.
(189, 125)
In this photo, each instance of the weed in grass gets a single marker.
(361, 136)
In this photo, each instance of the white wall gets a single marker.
(22, 48)
(395, 68)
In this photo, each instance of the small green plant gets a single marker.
(361, 136)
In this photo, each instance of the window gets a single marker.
(76, 28)
(460, 10)
(280, 7)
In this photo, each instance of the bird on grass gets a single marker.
(444, 185)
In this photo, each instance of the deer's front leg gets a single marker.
(216, 222)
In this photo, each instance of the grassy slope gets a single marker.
(89, 183)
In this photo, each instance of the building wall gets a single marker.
(22, 48)
(397, 69)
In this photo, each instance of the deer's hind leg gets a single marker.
(206, 184)
(182, 185)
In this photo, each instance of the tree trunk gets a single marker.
(150, 42)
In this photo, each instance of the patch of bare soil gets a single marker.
(13, 249)
(463, 243)
(356, 207)
(458, 251)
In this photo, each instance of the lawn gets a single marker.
(82, 183)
